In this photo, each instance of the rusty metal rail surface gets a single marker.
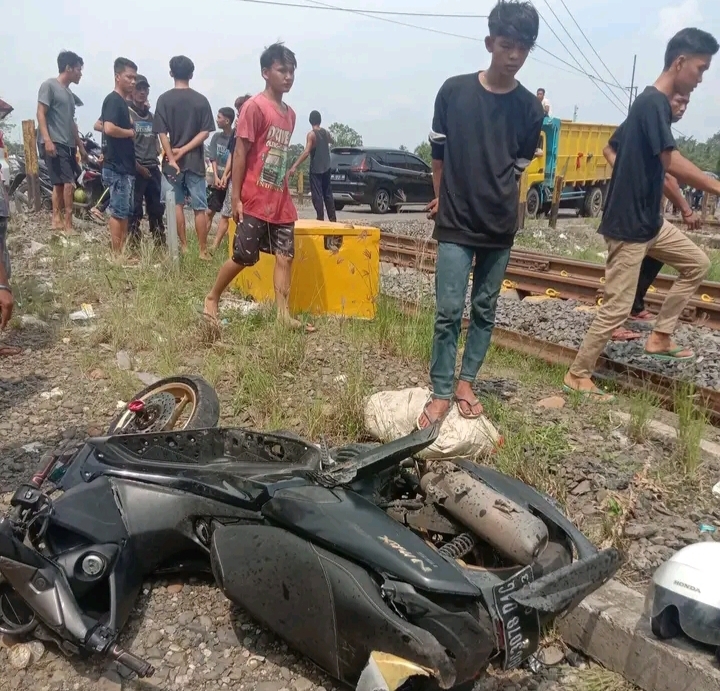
(628, 378)
(534, 273)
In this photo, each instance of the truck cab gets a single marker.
(572, 151)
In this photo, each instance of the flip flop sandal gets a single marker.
(672, 354)
(597, 394)
(470, 404)
(625, 335)
(437, 421)
(9, 351)
(643, 316)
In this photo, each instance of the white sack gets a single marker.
(390, 415)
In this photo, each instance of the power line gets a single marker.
(610, 96)
(572, 70)
(591, 45)
(592, 67)
(368, 12)
(364, 13)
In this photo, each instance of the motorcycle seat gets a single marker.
(229, 451)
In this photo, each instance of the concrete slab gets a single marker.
(660, 430)
(610, 627)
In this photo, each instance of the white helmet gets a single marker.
(685, 595)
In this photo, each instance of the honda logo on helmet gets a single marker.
(686, 586)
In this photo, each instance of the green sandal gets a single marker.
(672, 354)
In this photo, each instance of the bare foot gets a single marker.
(435, 409)
(184, 249)
(296, 324)
(468, 403)
(204, 256)
(211, 307)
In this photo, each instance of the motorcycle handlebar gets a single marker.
(135, 664)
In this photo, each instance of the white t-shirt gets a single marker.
(547, 106)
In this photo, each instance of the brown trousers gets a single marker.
(672, 247)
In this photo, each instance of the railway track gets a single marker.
(628, 378)
(534, 273)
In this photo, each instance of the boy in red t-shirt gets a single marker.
(261, 202)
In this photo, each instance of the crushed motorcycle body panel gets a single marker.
(349, 560)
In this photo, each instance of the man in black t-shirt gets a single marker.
(632, 222)
(184, 120)
(650, 267)
(118, 172)
(484, 133)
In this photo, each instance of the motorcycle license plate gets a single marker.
(520, 625)
(337, 178)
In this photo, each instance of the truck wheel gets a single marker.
(532, 202)
(339, 206)
(593, 202)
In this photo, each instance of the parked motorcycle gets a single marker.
(378, 567)
(89, 180)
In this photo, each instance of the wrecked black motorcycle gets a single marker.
(384, 570)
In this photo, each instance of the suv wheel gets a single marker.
(339, 206)
(381, 202)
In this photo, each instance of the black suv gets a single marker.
(384, 178)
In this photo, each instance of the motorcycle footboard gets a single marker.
(565, 588)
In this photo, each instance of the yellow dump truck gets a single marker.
(573, 150)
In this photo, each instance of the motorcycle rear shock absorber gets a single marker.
(459, 546)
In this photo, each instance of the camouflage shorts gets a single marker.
(4, 254)
(254, 236)
(226, 211)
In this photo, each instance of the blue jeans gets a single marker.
(452, 272)
(121, 187)
(192, 185)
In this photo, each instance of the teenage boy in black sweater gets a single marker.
(485, 131)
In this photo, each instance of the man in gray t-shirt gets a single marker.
(59, 134)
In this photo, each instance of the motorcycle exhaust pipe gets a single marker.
(510, 529)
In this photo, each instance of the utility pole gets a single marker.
(632, 84)
(575, 112)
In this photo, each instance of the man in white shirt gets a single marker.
(545, 102)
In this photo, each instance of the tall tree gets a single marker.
(344, 135)
(705, 155)
(423, 151)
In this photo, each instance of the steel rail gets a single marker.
(628, 378)
(543, 274)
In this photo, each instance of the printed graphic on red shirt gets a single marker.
(275, 160)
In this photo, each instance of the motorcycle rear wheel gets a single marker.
(164, 407)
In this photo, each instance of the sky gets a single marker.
(376, 76)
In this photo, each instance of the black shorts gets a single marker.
(253, 236)
(216, 198)
(63, 167)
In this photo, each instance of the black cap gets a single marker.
(140, 81)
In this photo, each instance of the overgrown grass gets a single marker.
(692, 420)
(642, 409)
(529, 451)
(599, 679)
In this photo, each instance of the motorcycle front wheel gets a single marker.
(174, 403)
